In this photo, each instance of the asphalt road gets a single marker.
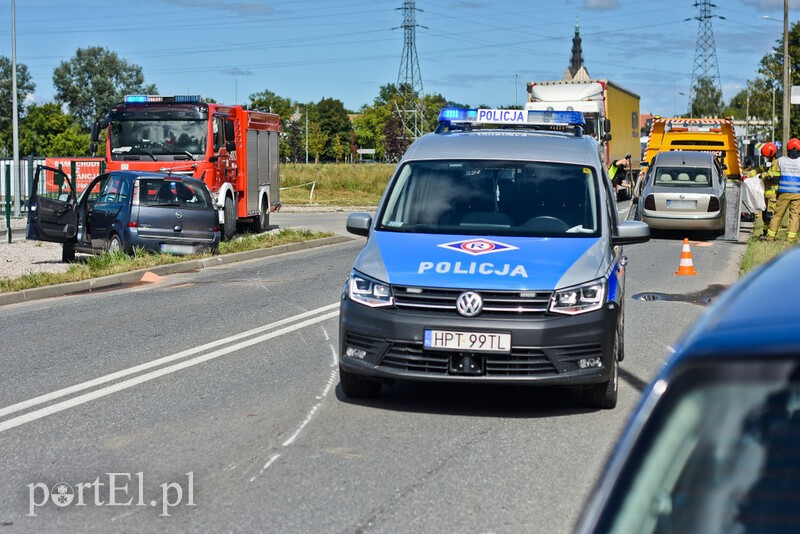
(223, 383)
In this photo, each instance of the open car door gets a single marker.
(52, 215)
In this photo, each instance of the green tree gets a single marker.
(369, 128)
(707, 100)
(317, 140)
(293, 140)
(25, 87)
(771, 73)
(95, 79)
(333, 121)
(47, 131)
(266, 100)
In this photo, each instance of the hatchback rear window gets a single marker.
(155, 192)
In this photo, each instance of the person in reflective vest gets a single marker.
(617, 170)
(788, 193)
(769, 175)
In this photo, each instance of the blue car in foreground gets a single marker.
(714, 445)
(122, 210)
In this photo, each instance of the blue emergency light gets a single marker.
(511, 116)
(142, 99)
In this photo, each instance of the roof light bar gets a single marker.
(510, 116)
(142, 99)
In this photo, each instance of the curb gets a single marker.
(27, 295)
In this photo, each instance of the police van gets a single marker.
(495, 256)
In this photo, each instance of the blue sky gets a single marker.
(470, 51)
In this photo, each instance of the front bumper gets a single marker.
(545, 349)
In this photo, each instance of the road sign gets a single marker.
(795, 94)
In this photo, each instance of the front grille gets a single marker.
(495, 303)
(521, 362)
(412, 357)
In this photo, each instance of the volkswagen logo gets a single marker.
(178, 215)
(469, 304)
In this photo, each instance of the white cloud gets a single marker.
(602, 4)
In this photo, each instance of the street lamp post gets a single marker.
(787, 87)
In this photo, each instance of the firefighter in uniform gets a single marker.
(788, 193)
(769, 174)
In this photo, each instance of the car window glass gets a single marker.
(108, 193)
(493, 198)
(55, 186)
(722, 477)
(172, 193)
(683, 176)
(124, 191)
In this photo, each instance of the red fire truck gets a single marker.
(232, 149)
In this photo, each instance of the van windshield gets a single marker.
(492, 198)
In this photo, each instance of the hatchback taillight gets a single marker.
(713, 204)
(650, 203)
(133, 224)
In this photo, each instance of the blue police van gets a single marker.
(495, 256)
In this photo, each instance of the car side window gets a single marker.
(110, 190)
(124, 192)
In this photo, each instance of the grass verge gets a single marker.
(758, 251)
(334, 184)
(115, 263)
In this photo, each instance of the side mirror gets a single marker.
(359, 223)
(631, 232)
(607, 125)
(229, 133)
(644, 163)
(635, 200)
(606, 137)
(95, 136)
(230, 146)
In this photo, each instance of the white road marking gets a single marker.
(155, 363)
(328, 386)
(108, 390)
(266, 465)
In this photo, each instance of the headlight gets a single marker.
(368, 291)
(579, 299)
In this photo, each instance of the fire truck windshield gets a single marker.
(158, 137)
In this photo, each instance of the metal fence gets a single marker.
(20, 184)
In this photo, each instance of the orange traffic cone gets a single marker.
(686, 266)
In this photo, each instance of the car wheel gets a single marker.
(114, 244)
(260, 223)
(68, 252)
(229, 227)
(357, 387)
(604, 395)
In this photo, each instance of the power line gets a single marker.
(705, 54)
(409, 77)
